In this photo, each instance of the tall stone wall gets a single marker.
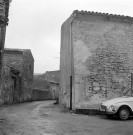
(11, 86)
(65, 64)
(2, 42)
(21, 60)
(13, 59)
(7, 87)
(28, 71)
(4, 10)
(103, 58)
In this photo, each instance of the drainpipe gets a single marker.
(70, 92)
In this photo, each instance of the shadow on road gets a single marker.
(113, 118)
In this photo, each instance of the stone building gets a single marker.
(54, 79)
(22, 61)
(4, 9)
(96, 58)
(11, 92)
(46, 85)
(54, 87)
(52, 76)
(41, 89)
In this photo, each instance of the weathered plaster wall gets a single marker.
(103, 58)
(65, 64)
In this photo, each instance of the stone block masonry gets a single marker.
(21, 61)
(11, 92)
(4, 10)
(100, 60)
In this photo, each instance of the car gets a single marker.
(121, 107)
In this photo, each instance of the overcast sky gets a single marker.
(36, 24)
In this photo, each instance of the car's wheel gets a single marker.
(124, 113)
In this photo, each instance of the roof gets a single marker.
(121, 17)
(51, 72)
(100, 13)
(15, 49)
(18, 51)
(54, 82)
(8, 50)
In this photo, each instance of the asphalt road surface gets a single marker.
(45, 118)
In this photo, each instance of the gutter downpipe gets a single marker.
(72, 92)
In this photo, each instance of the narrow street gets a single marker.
(45, 118)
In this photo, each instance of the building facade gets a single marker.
(54, 88)
(52, 76)
(11, 92)
(4, 10)
(22, 61)
(46, 83)
(96, 58)
(41, 89)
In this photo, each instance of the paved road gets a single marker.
(44, 118)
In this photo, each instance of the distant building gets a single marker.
(54, 78)
(47, 82)
(96, 58)
(41, 84)
(54, 87)
(41, 88)
(22, 61)
(53, 75)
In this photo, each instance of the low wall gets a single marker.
(40, 95)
